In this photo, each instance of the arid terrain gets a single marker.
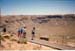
(55, 29)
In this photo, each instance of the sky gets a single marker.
(37, 7)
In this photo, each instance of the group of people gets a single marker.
(22, 32)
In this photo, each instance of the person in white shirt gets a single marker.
(24, 32)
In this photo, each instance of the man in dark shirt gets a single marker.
(4, 30)
(33, 33)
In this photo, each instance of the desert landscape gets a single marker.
(52, 32)
(37, 25)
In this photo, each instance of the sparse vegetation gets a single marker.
(1, 39)
(58, 29)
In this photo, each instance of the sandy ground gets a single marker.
(54, 30)
(14, 45)
(28, 46)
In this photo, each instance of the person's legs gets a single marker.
(33, 36)
(21, 35)
(24, 35)
(18, 34)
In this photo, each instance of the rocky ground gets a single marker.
(59, 29)
(11, 43)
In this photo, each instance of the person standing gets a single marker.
(24, 32)
(33, 33)
(4, 30)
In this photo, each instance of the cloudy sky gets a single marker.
(36, 7)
